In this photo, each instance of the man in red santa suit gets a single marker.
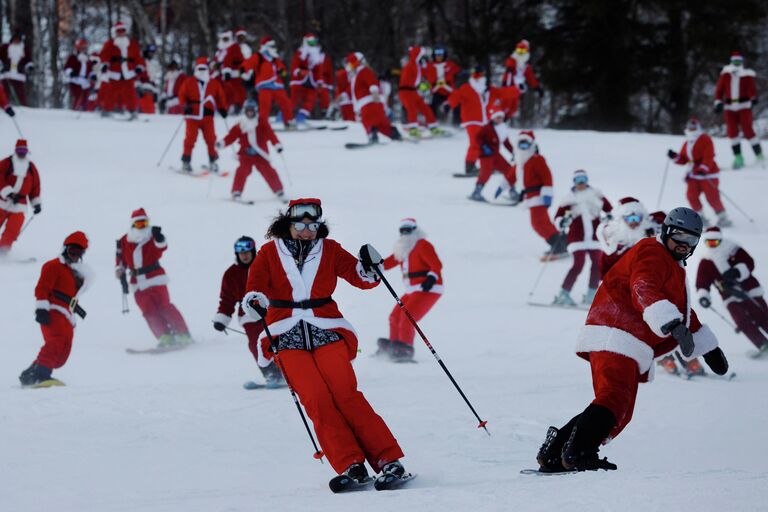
(266, 69)
(698, 155)
(200, 97)
(311, 72)
(641, 311)
(19, 189)
(15, 65)
(230, 60)
(241, 37)
(728, 267)
(411, 78)
(735, 93)
(518, 72)
(441, 74)
(490, 138)
(62, 281)
(423, 280)
(579, 215)
(121, 59)
(253, 135)
(367, 98)
(169, 99)
(230, 296)
(344, 95)
(77, 72)
(138, 255)
(290, 286)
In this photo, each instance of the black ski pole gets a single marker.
(722, 317)
(482, 423)
(170, 142)
(16, 124)
(663, 183)
(237, 331)
(123, 277)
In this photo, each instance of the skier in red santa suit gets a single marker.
(628, 223)
(367, 98)
(121, 59)
(230, 59)
(15, 65)
(241, 38)
(200, 97)
(728, 267)
(230, 296)
(62, 281)
(698, 155)
(77, 72)
(169, 99)
(411, 78)
(423, 280)
(641, 311)
(344, 95)
(490, 138)
(518, 72)
(138, 255)
(735, 93)
(311, 73)
(290, 285)
(253, 135)
(148, 80)
(266, 68)
(441, 74)
(19, 189)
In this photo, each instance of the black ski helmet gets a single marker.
(683, 220)
(251, 105)
(245, 244)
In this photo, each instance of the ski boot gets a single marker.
(392, 476)
(355, 477)
(34, 375)
(166, 341)
(182, 339)
(357, 472)
(373, 136)
(694, 369)
(213, 165)
(236, 196)
(470, 169)
(436, 131)
(400, 352)
(186, 164)
(550, 453)
(738, 162)
(301, 121)
(723, 221)
(106, 113)
(669, 365)
(414, 133)
(132, 116)
(477, 194)
(592, 427)
(563, 298)
(291, 125)
(384, 344)
(281, 196)
(589, 296)
(557, 246)
(273, 376)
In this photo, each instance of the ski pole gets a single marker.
(482, 423)
(663, 184)
(727, 322)
(170, 142)
(27, 223)
(285, 167)
(318, 454)
(547, 259)
(236, 330)
(735, 205)
(16, 124)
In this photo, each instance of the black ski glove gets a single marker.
(188, 110)
(219, 326)
(705, 302)
(682, 335)
(369, 257)
(42, 316)
(14, 198)
(9, 111)
(731, 275)
(157, 234)
(718, 108)
(223, 113)
(37, 209)
(428, 283)
(716, 361)
(671, 154)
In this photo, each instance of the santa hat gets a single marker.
(354, 59)
(240, 31)
(712, 233)
(580, 174)
(77, 238)
(478, 71)
(629, 205)
(408, 223)
(81, 44)
(139, 214)
(225, 33)
(523, 46)
(496, 112)
(309, 37)
(117, 27)
(526, 135)
(201, 61)
(265, 41)
(658, 217)
(21, 146)
(736, 56)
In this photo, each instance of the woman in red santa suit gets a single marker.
(62, 282)
(138, 254)
(290, 285)
(367, 98)
(423, 280)
(641, 311)
(19, 189)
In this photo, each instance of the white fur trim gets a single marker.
(35, 201)
(743, 270)
(659, 314)
(161, 245)
(64, 311)
(438, 288)
(601, 338)
(433, 274)
(262, 360)
(704, 341)
(143, 283)
(42, 304)
(584, 245)
(5, 191)
(222, 318)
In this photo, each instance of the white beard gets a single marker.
(85, 272)
(478, 84)
(20, 166)
(223, 45)
(522, 155)
(720, 254)
(122, 42)
(138, 236)
(15, 53)
(691, 137)
(248, 125)
(521, 60)
(405, 244)
(203, 76)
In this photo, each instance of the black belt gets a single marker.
(145, 270)
(530, 190)
(304, 304)
(728, 101)
(72, 301)
(407, 88)
(423, 273)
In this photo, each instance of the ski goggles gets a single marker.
(299, 211)
(22, 151)
(684, 238)
(301, 226)
(521, 51)
(524, 144)
(141, 223)
(407, 230)
(244, 246)
(712, 243)
(634, 218)
(439, 52)
(580, 180)
(311, 42)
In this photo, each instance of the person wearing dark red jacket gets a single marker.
(490, 138)
(62, 281)
(77, 72)
(19, 189)
(232, 292)
(253, 133)
(411, 78)
(5, 104)
(518, 72)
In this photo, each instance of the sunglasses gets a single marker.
(301, 226)
(407, 231)
(712, 243)
(524, 144)
(635, 218)
(244, 246)
(683, 238)
(141, 224)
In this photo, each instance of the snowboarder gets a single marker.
(735, 93)
(289, 286)
(490, 138)
(19, 189)
(138, 255)
(15, 66)
(441, 74)
(253, 135)
(698, 155)
(266, 69)
(628, 224)
(232, 291)
(730, 268)
(121, 60)
(62, 281)
(230, 59)
(311, 72)
(641, 311)
(200, 97)
(169, 99)
(411, 78)
(367, 98)
(579, 215)
(77, 73)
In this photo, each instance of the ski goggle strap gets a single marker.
(299, 211)
(244, 246)
(683, 237)
(633, 218)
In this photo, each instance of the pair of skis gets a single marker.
(343, 483)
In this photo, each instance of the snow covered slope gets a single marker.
(178, 433)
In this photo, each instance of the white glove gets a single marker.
(255, 305)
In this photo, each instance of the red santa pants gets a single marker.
(736, 120)
(710, 191)
(415, 105)
(235, 92)
(161, 315)
(495, 162)
(615, 378)
(750, 317)
(279, 96)
(473, 151)
(266, 170)
(579, 258)
(16, 90)
(373, 116)
(78, 97)
(204, 125)
(253, 331)
(324, 97)
(13, 223)
(418, 304)
(303, 99)
(347, 112)
(347, 427)
(147, 103)
(121, 93)
(58, 336)
(541, 222)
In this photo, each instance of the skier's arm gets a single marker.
(430, 258)
(745, 264)
(45, 286)
(351, 270)
(258, 274)
(227, 302)
(646, 284)
(705, 278)
(232, 136)
(390, 262)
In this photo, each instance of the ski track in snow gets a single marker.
(176, 432)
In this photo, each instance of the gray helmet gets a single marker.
(685, 225)
(250, 105)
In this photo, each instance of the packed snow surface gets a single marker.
(177, 432)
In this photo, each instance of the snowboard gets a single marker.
(391, 482)
(545, 473)
(577, 307)
(342, 483)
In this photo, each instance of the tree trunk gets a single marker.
(53, 42)
(201, 6)
(146, 28)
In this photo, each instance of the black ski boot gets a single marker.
(273, 376)
(35, 374)
(558, 244)
(355, 477)
(186, 163)
(470, 169)
(396, 134)
(373, 136)
(384, 345)
(393, 475)
(592, 427)
(400, 352)
(550, 456)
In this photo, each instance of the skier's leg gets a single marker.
(486, 169)
(265, 104)
(692, 193)
(146, 303)
(615, 379)
(58, 341)
(712, 193)
(323, 98)
(253, 330)
(269, 174)
(190, 136)
(241, 174)
(297, 93)
(748, 321)
(418, 305)
(579, 257)
(541, 223)
(209, 136)
(131, 97)
(284, 103)
(594, 271)
(473, 150)
(13, 223)
(424, 109)
(411, 111)
(169, 311)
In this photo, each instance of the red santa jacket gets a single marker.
(275, 274)
(265, 72)
(537, 180)
(420, 262)
(644, 291)
(58, 285)
(15, 61)
(492, 136)
(322, 73)
(18, 177)
(311, 72)
(363, 85)
(142, 262)
(253, 135)
(230, 60)
(171, 88)
(343, 90)
(232, 292)
(121, 61)
(411, 74)
(701, 160)
(715, 261)
(205, 98)
(584, 207)
(442, 76)
(474, 105)
(78, 70)
(520, 78)
(736, 88)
